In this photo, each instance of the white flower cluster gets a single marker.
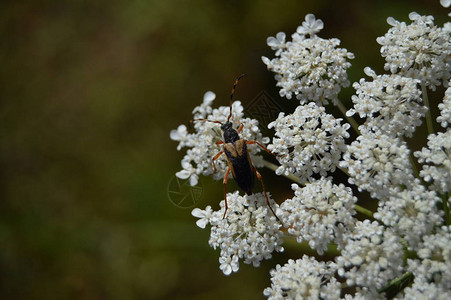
(412, 213)
(378, 163)
(373, 255)
(391, 104)
(420, 50)
(411, 237)
(202, 144)
(320, 213)
(308, 142)
(311, 68)
(433, 268)
(305, 278)
(437, 159)
(249, 232)
(445, 109)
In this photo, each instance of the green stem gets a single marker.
(429, 123)
(364, 211)
(351, 120)
(414, 166)
(398, 283)
(446, 208)
(274, 167)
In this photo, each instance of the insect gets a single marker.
(238, 160)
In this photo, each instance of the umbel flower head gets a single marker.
(308, 142)
(320, 213)
(437, 161)
(419, 50)
(373, 255)
(378, 163)
(433, 268)
(250, 231)
(202, 143)
(305, 278)
(412, 213)
(391, 104)
(445, 109)
(309, 68)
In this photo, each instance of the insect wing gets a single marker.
(239, 163)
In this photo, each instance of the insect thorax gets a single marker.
(230, 134)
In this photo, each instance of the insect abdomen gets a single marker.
(240, 165)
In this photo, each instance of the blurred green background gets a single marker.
(89, 92)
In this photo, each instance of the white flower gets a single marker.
(437, 161)
(277, 43)
(373, 255)
(203, 215)
(320, 213)
(378, 163)
(412, 213)
(202, 144)
(391, 104)
(188, 172)
(180, 134)
(249, 232)
(421, 289)
(310, 26)
(305, 278)
(445, 109)
(363, 293)
(432, 270)
(311, 68)
(204, 109)
(229, 264)
(308, 141)
(445, 3)
(420, 50)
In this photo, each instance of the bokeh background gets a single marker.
(89, 91)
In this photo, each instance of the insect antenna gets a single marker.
(206, 120)
(231, 94)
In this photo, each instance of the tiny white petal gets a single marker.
(392, 21)
(209, 97)
(202, 223)
(183, 174)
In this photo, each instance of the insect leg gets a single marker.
(264, 148)
(225, 192)
(241, 127)
(259, 177)
(215, 158)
